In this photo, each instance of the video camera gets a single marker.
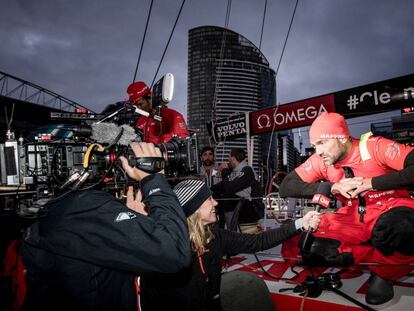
(63, 157)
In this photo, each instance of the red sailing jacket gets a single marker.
(172, 124)
(370, 157)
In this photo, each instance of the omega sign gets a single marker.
(290, 115)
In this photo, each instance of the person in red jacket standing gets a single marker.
(171, 125)
(370, 177)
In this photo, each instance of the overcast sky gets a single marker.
(87, 50)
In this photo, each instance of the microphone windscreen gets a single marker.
(106, 133)
(129, 135)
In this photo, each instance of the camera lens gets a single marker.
(180, 155)
(171, 151)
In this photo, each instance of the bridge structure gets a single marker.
(24, 91)
(26, 106)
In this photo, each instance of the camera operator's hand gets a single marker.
(141, 150)
(134, 201)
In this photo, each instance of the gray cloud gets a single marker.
(87, 50)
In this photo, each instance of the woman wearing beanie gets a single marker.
(198, 286)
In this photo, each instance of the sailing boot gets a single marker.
(380, 291)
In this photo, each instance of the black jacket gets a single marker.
(232, 189)
(190, 289)
(86, 251)
(230, 186)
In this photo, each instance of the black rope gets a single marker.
(353, 300)
(277, 70)
(287, 36)
(220, 62)
(169, 39)
(223, 43)
(263, 22)
(142, 42)
(226, 21)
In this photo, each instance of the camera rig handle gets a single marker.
(150, 165)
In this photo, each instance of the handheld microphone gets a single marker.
(321, 200)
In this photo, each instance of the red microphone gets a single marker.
(321, 200)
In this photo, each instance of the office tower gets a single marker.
(228, 74)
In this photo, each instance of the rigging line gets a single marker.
(287, 36)
(220, 63)
(271, 135)
(142, 42)
(223, 42)
(277, 70)
(168, 42)
(226, 21)
(263, 22)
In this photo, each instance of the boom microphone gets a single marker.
(321, 200)
(108, 133)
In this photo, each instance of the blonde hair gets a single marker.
(200, 235)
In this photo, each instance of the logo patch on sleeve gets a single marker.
(125, 216)
(393, 151)
(307, 166)
(152, 191)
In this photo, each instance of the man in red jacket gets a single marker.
(375, 223)
(172, 124)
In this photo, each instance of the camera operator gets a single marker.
(172, 124)
(85, 253)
